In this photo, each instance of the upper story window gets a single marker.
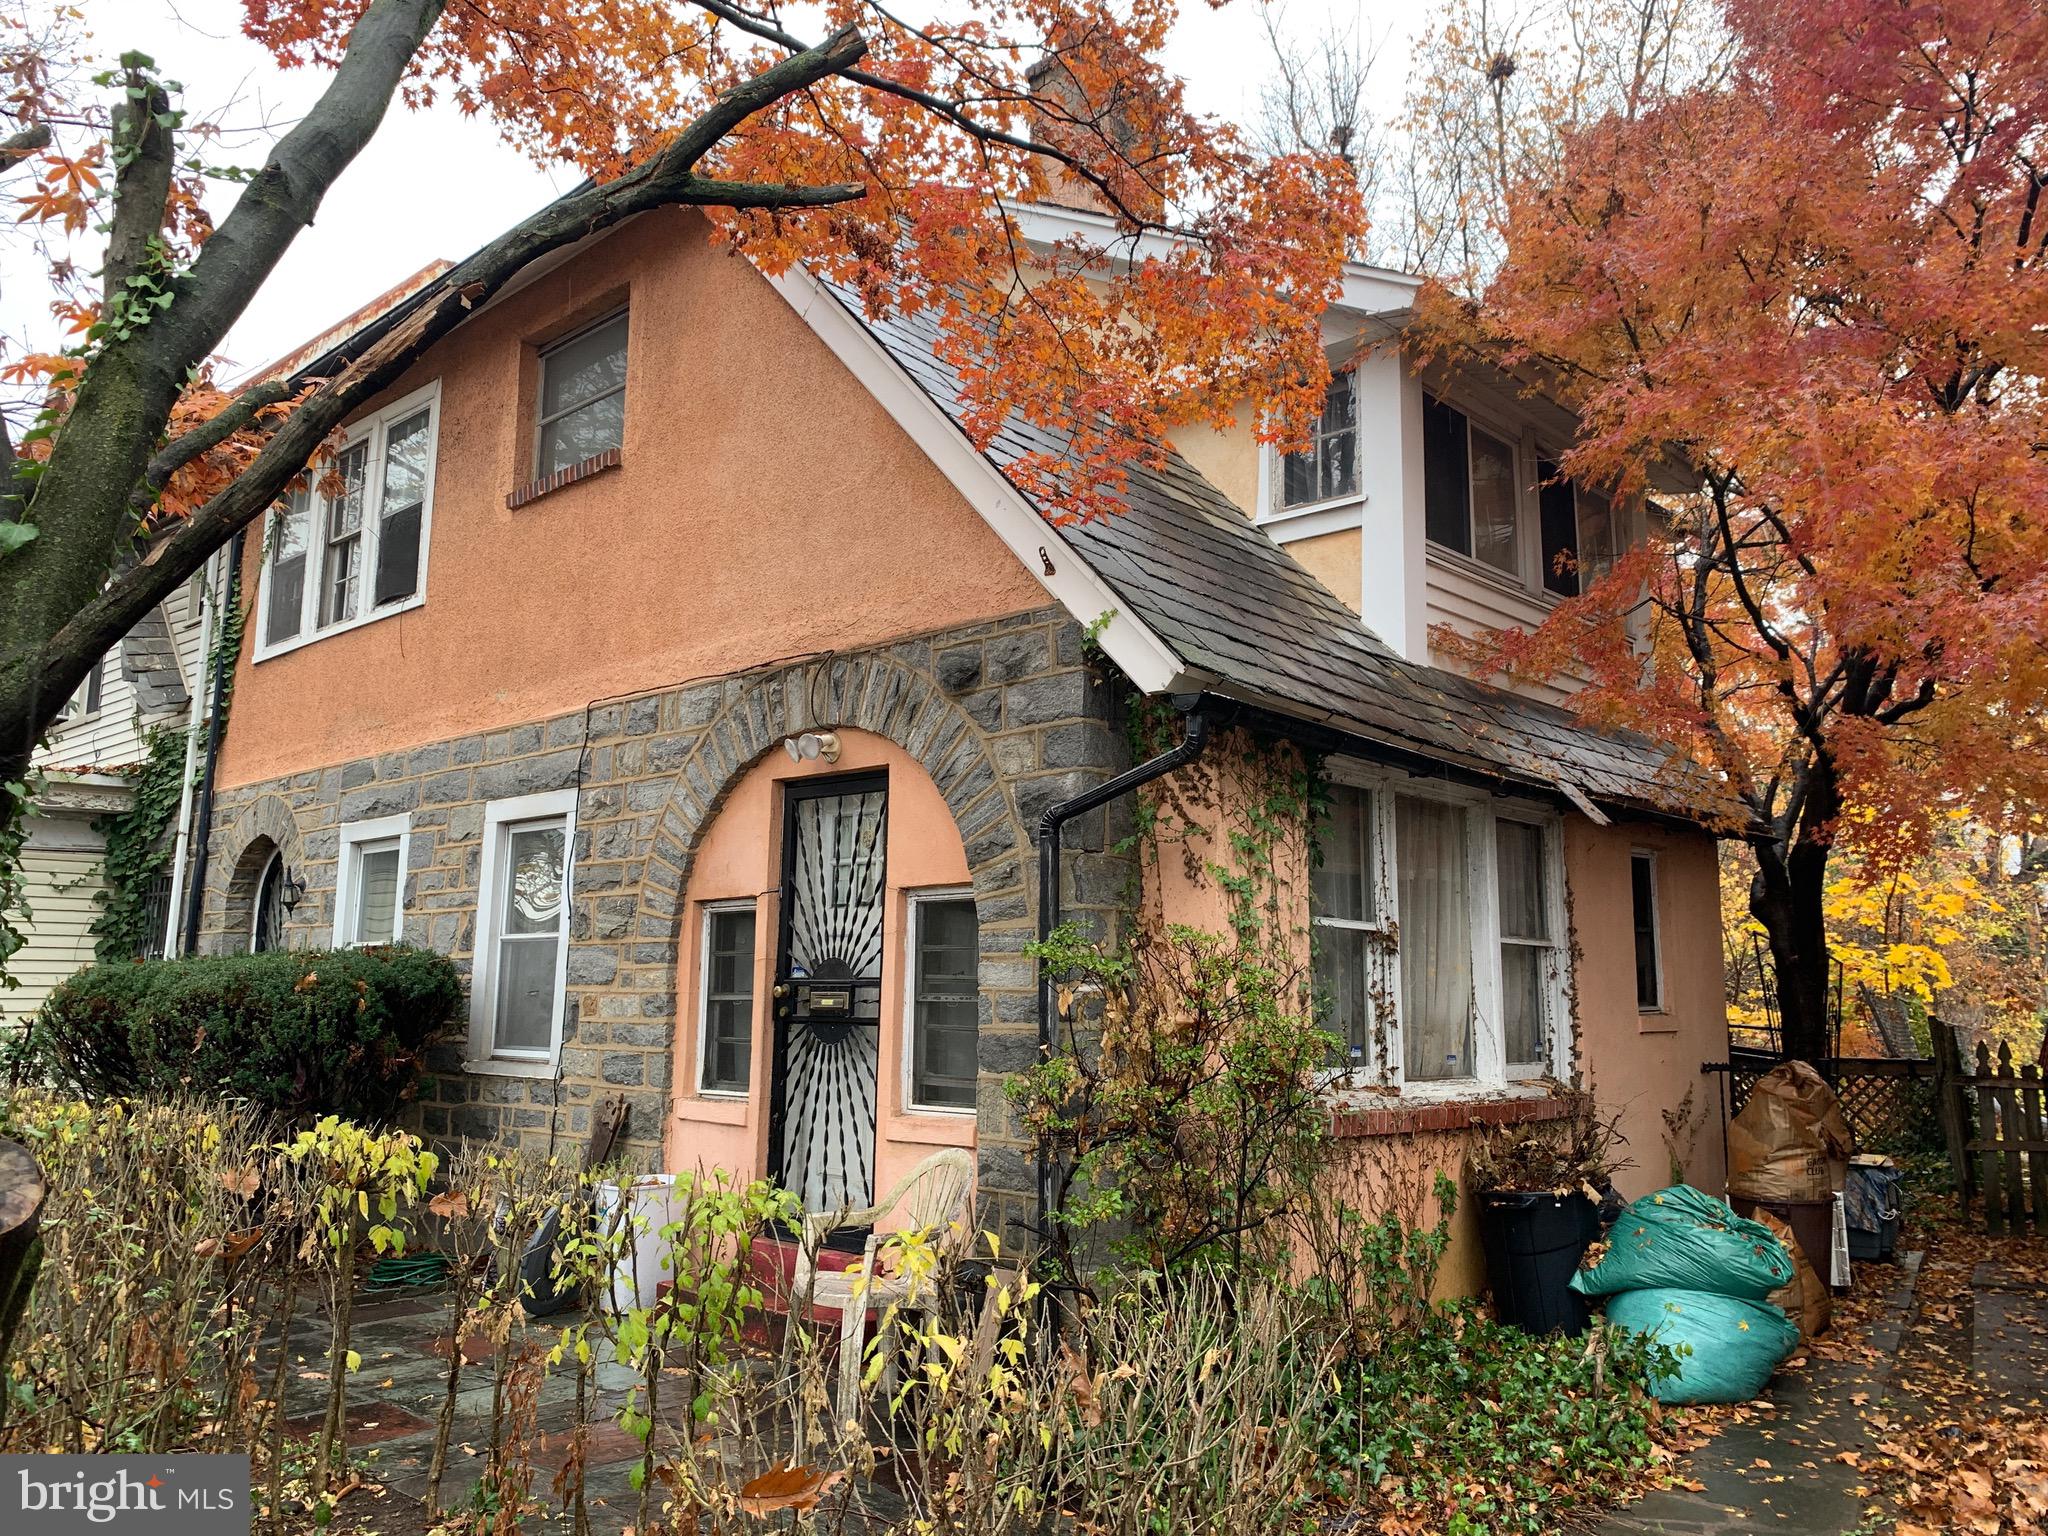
(1580, 539)
(352, 546)
(582, 396)
(1328, 470)
(1438, 934)
(87, 700)
(1468, 487)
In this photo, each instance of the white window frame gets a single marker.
(911, 1103)
(1273, 503)
(542, 421)
(370, 429)
(1663, 1003)
(710, 910)
(1491, 1073)
(88, 700)
(357, 839)
(1556, 1000)
(1380, 960)
(276, 862)
(499, 817)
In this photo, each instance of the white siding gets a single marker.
(61, 870)
(113, 737)
(1470, 603)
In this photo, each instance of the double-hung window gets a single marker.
(1347, 908)
(369, 887)
(522, 940)
(1469, 488)
(1438, 929)
(351, 546)
(1327, 470)
(1579, 536)
(583, 396)
(944, 998)
(725, 1044)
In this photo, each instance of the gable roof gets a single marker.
(1191, 597)
(1243, 619)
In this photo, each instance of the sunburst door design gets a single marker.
(828, 991)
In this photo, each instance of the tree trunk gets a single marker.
(1787, 895)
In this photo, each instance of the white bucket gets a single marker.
(652, 1204)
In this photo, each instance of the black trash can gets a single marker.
(1533, 1246)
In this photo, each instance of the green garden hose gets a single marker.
(399, 1272)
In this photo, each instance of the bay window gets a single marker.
(351, 546)
(1437, 921)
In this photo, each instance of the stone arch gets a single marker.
(736, 723)
(878, 694)
(244, 846)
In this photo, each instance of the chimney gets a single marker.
(1064, 117)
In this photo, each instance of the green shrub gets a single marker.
(301, 1032)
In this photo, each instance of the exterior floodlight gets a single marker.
(811, 746)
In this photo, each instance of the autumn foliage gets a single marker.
(1817, 291)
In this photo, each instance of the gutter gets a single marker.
(230, 593)
(1189, 748)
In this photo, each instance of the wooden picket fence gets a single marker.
(1995, 1121)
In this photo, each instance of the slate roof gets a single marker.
(1245, 616)
(149, 660)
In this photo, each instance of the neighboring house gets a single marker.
(88, 761)
(666, 654)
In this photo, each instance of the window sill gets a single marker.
(704, 1108)
(1283, 515)
(533, 490)
(1443, 558)
(507, 1066)
(266, 652)
(1358, 1114)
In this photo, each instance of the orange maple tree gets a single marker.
(887, 157)
(1819, 286)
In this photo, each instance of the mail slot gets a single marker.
(826, 1002)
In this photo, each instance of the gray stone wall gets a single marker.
(1006, 716)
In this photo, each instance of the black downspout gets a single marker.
(203, 829)
(1056, 816)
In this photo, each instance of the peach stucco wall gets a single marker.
(1643, 1067)
(767, 507)
(740, 857)
(1647, 1065)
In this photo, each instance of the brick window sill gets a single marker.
(533, 490)
(1394, 1118)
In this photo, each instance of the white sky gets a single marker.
(434, 184)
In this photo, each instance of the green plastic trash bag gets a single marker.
(1682, 1239)
(1726, 1349)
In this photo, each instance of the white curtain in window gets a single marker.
(1436, 939)
(377, 895)
(1524, 939)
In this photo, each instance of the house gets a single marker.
(662, 650)
(89, 762)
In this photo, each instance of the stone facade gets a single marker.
(1008, 717)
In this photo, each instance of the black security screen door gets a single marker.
(828, 991)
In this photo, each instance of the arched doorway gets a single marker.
(827, 1006)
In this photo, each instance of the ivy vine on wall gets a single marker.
(135, 850)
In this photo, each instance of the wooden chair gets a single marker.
(936, 1196)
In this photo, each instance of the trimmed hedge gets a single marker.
(302, 1032)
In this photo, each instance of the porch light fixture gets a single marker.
(291, 890)
(811, 746)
